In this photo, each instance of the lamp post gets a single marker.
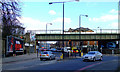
(63, 25)
(63, 20)
(80, 29)
(46, 32)
(100, 38)
(100, 29)
(46, 26)
(63, 13)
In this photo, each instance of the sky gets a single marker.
(101, 13)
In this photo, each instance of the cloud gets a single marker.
(104, 18)
(66, 20)
(32, 24)
(52, 12)
(35, 24)
(113, 11)
(114, 24)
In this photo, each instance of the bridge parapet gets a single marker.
(56, 37)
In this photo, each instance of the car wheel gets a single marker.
(83, 60)
(41, 59)
(100, 58)
(94, 59)
(50, 58)
(54, 58)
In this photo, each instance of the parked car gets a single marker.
(47, 55)
(53, 49)
(42, 49)
(59, 49)
(93, 56)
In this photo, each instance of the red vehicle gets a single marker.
(43, 49)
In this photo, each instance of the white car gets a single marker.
(93, 56)
(47, 55)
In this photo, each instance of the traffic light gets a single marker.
(81, 43)
(70, 43)
(21, 37)
(37, 42)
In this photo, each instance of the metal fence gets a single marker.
(94, 31)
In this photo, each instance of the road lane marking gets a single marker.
(88, 66)
(93, 65)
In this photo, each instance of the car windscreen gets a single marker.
(91, 52)
(59, 49)
(45, 52)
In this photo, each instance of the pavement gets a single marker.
(19, 58)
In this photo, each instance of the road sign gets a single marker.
(102, 46)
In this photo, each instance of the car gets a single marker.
(47, 55)
(93, 56)
(42, 49)
(53, 49)
(59, 49)
(75, 51)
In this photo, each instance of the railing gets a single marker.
(95, 31)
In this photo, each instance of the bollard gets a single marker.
(61, 57)
(81, 54)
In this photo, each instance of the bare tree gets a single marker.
(10, 14)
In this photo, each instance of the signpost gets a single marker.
(101, 48)
(112, 46)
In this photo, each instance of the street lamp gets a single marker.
(63, 19)
(46, 26)
(100, 38)
(63, 24)
(80, 22)
(46, 31)
(80, 28)
(63, 12)
(100, 29)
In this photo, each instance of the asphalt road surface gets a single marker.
(109, 63)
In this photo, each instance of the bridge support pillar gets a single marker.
(88, 45)
(119, 46)
(99, 45)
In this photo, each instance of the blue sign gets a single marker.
(102, 46)
(111, 45)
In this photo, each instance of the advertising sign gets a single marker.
(14, 44)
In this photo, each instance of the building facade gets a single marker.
(84, 45)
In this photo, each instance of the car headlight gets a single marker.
(83, 56)
(91, 56)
